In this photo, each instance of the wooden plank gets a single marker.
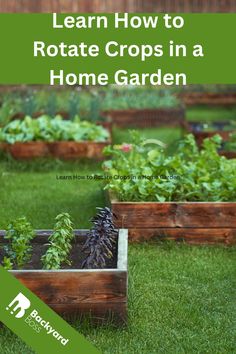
(171, 214)
(28, 150)
(206, 215)
(208, 98)
(191, 236)
(74, 150)
(75, 287)
(61, 149)
(146, 117)
(141, 215)
(228, 154)
(79, 6)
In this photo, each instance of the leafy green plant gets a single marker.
(6, 111)
(73, 105)
(139, 98)
(29, 104)
(141, 172)
(18, 251)
(51, 107)
(7, 263)
(101, 240)
(52, 129)
(59, 243)
(10, 105)
(230, 145)
(95, 108)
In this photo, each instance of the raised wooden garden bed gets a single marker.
(228, 154)
(192, 222)
(62, 149)
(72, 150)
(147, 118)
(21, 115)
(59, 149)
(208, 98)
(98, 293)
(195, 128)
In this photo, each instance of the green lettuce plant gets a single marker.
(49, 129)
(144, 172)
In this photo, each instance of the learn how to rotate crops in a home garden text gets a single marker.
(120, 48)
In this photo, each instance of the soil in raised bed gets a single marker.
(77, 255)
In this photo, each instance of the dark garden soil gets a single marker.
(77, 255)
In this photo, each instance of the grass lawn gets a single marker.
(167, 135)
(181, 298)
(205, 113)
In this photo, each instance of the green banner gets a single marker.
(35, 323)
(37, 48)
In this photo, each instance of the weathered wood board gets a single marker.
(147, 118)
(193, 222)
(208, 98)
(62, 149)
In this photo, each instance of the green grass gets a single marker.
(205, 113)
(181, 298)
(40, 196)
(167, 135)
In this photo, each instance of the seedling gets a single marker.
(7, 263)
(59, 243)
(18, 250)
